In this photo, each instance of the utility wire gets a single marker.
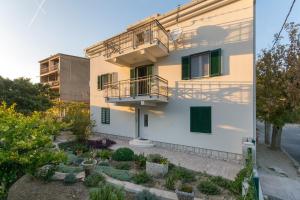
(286, 18)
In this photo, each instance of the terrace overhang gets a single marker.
(147, 42)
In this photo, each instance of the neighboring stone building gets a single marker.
(183, 80)
(68, 75)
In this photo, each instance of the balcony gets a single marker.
(49, 70)
(147, 42)
(53, 84)
(144, 91)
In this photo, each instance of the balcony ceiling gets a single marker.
(146, 52)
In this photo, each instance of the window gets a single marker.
(105, 115)
(145, 120)
(103, 80)
(201, 65)
(200, 119)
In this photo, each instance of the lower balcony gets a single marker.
(147, 91)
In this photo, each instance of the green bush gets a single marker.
(74, 146)
(186, 188)
(104, 154)
(157, 158)
(146, 195)
(123, 154)
(170, 183)
(208, 187)
(103, 164)
(78, 115)
(123, 166)
(122, 175)
(69, 169)
(25, 144)
(141, 178)
(93, 179)
(45, 173)
(70, 179)
(107, 192)
(220, 181)
(183, 174)
(140, 161)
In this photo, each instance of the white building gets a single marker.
(184, 79)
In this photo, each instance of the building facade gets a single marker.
(184, 79)
(68, 75)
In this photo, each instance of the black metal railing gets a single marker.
(145, 86)
(145, 34)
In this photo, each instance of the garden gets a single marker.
(27, 148)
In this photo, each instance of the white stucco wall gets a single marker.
(230, 95)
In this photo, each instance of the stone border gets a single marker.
(206, 153)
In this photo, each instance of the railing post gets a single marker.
(119, 90)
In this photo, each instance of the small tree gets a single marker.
(78, 116)
(278, 84)
(25, 144)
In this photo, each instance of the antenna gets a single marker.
(176, 33)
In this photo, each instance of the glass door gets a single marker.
(140, 80)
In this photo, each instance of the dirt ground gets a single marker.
(27, 188)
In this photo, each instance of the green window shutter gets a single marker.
(186, 68)
(200, 119)
(105, 115)
(215, 62)
(99, 82)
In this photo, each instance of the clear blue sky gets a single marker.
(69, 26)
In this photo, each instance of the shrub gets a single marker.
(146, 195)
(186, 188)
(104, 154)
(70, 179)
(123, 154)
(107, 192)
(220, 181)
(103, 164)
(122, 175)
(170, 183)
(93, 179)
(100, 144)
(183, 174)
(45, 173)
(208, 187)
(156, 158)
(123, 166)
(73, 146)
(78, 115)
(25, 144)
(140, 161)
(141, 178)
(68, 169)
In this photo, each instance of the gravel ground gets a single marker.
(27, 188)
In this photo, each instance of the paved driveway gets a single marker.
(291, 140)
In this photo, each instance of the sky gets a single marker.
(69, 26)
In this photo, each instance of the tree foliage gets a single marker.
(25, 143)
(278, 83)
(27, 96)
(76, 115)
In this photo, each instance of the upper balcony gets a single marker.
(143, 43)
(144, 91)
(46, 70)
